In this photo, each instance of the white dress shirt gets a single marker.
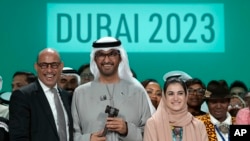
(227, 121)
(50, 97)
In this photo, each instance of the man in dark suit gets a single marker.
(34, 113)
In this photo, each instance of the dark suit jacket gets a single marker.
(4, 134)
(31, 118)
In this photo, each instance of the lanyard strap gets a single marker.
(217, 129)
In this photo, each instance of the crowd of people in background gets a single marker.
(104, 100)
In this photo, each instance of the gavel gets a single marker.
(112, 112)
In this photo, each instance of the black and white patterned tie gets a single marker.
(60, 116)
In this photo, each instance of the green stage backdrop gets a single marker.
(25, 29)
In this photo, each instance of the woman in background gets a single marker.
(196, 90)
(236, 103)
(154, 91)
(243, 115)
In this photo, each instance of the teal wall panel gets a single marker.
(23, 26)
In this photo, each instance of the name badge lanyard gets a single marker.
(217, 129)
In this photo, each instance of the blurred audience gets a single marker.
(1, 82)
(238, 88)
(85, 73)
(243, 115)
(22, 78)
(196, 90)
(154, 91)
(19, 79)
(69, 80)
(247, 98)
(5, 98)
(4, 111)
(4, 122)
(236, 103)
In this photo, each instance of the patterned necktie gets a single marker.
(60, 116)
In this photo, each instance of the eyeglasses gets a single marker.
(231, 106)
(239, 93)
(53, 65)
(199, 91)
(87, 76)
(112, 55)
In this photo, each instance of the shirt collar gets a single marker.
(227, 121)
(44, 87)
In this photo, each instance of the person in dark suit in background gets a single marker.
(22, 78)
(40, 111)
